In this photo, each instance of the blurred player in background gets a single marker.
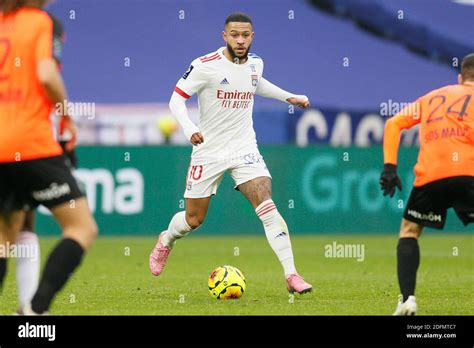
(28, 268)
(33, 168)
(444, 170)
(226, 81)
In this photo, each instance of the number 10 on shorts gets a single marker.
(195, 173)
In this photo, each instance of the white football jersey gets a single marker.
(225, 95)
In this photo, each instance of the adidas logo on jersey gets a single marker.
(224, 82)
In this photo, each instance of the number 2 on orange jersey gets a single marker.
(450, 110)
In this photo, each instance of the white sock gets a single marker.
(277, 234)
(27, 266)
(177, 229)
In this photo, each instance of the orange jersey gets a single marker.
(26, 131)
(446, 118)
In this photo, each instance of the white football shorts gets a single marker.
(203, 180)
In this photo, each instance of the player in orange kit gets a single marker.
(444, 170)
(33, 168)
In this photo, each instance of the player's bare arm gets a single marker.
(50, 77)
(52, 81)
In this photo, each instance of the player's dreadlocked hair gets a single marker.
(467, 67)
(13, 5)
(238, 17)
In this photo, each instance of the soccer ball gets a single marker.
(226, 282)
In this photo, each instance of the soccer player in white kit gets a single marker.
(226, 82)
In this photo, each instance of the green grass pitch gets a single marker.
(114, 278)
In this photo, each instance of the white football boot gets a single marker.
(27, 310)
(408, 307)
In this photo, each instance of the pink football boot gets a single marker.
(295, 283)
(158, 256)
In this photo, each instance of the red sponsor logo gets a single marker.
(235, 95)
(235, 99)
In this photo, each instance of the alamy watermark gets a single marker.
(335, 250)
(19, 251)
(28, 330)
(76, 109)
(392, 107)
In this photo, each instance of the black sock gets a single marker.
(408, 256)
(61, 263)
(3, 271)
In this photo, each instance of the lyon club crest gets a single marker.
(254, 80)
